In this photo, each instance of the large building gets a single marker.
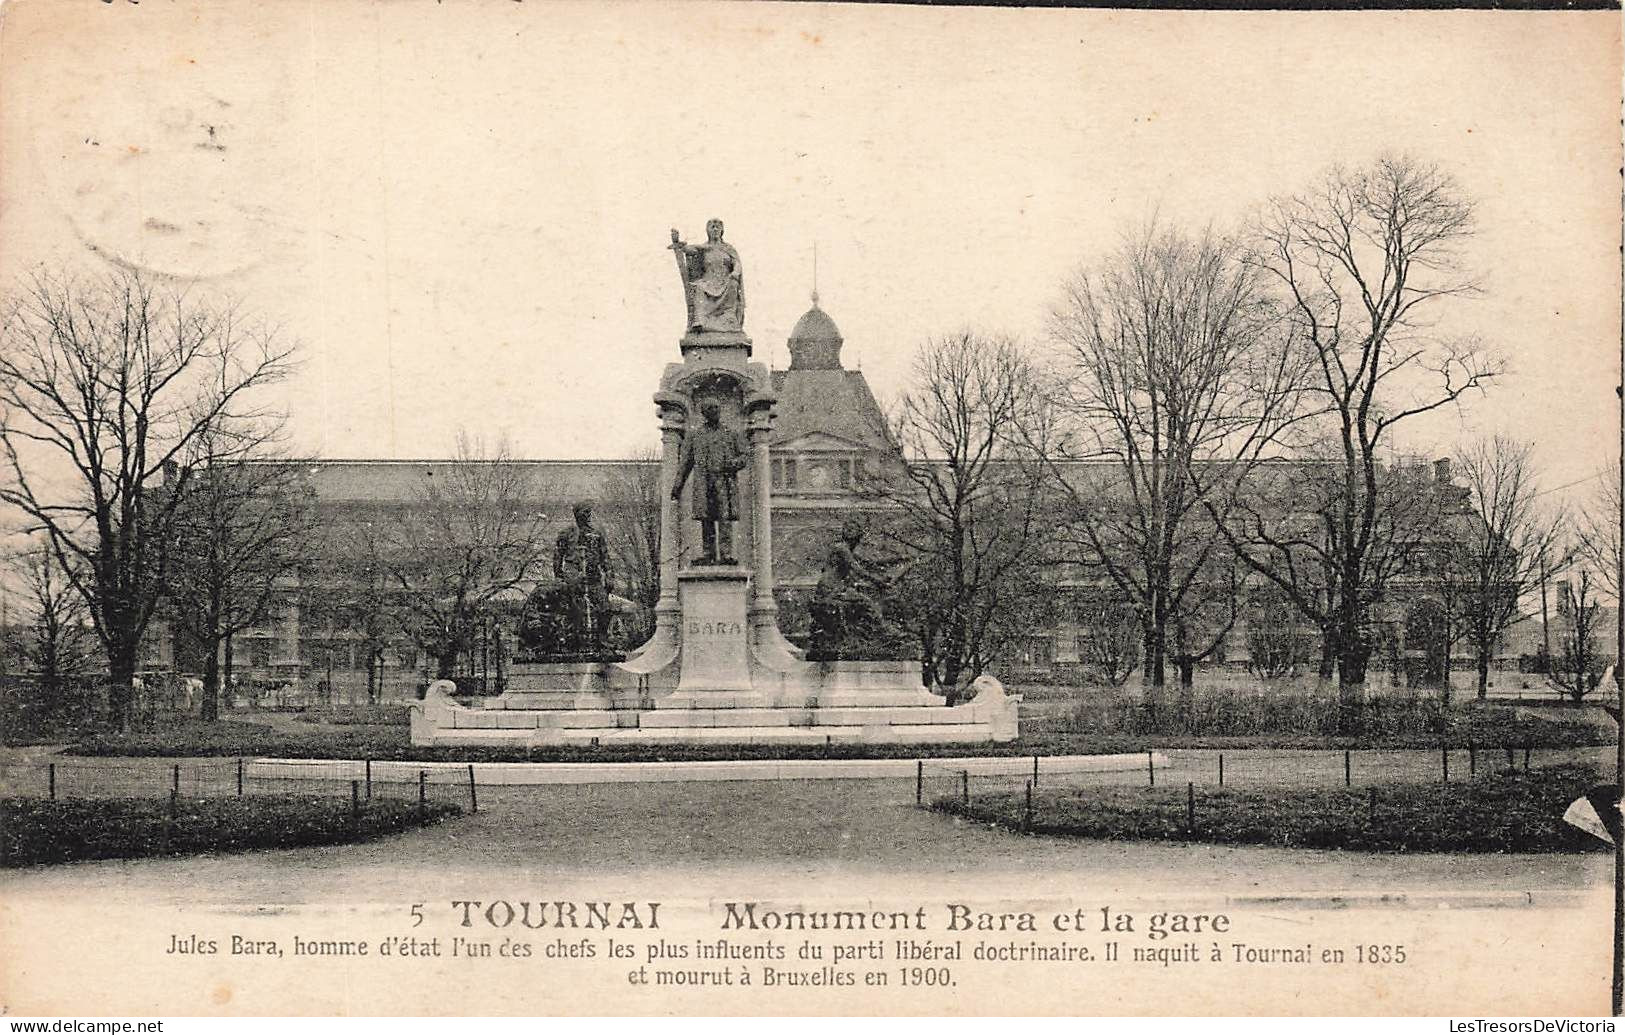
(827, 426)
(828, 431)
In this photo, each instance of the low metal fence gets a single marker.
(1254, 768)
(1010, 786)
(239, 777)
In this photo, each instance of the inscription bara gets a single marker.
(716, 629)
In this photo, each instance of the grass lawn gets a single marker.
(34, 831)
(1507, 812)
(1085, 730)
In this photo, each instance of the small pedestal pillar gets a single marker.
(715, 634)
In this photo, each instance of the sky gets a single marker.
(460, 211)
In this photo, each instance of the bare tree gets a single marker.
(1498, 544)
(472, 534)
(1113, 642)
(106, 384)
(347, 590)
(1274, 647)
(1201, 628)
(60, 640)
(1287, 525)
(1176, 377)
(962, 501)
(631, 510)
(1578, 666)
(1363, 260)
(242, 532)
(1596, 529)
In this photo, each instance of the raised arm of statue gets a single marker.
(739, 280)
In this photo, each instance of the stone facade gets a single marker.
(826, 433)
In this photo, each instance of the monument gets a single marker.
(581, 564)
(717, 669)
(714, 282)
(719, 454)
(848, 608)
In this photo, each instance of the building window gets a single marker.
(784, 473)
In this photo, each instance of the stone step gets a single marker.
(691, 718)
(544, 700)
(489, 737)
(947, 733)
(898, 715)
(486, 718)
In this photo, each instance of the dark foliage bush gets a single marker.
(1507, 812)
(1401, 719)
(34, 830)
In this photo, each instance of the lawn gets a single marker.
(1096, 725)
(1506, 812)
(34, 831)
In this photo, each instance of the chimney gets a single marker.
(1441, 470)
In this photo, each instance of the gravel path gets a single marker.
(781, 834)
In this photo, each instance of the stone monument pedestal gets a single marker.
(714, 661)
(717, 670)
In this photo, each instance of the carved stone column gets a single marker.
(762, 601)
(672, 422)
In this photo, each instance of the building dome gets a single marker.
(815, 343)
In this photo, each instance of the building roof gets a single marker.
(398, 481)
(815, 341)
(834, 402)
(818, 395)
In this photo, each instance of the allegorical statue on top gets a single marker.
(717, 453)
(714, 281)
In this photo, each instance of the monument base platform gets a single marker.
(840, 710)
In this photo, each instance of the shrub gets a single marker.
(1510, 812)
(1399, 718)
(34, 830)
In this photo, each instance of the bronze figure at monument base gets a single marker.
(569, 620)
(847, 611)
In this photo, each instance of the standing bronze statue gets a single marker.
(714, 281)
(581, 564)
(719, 454)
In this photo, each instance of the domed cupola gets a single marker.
(815, 343)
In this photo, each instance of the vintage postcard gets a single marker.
(807, 509)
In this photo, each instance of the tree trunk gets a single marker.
(1444, 665)
(1186, 666)
(1353, 657)
(1483, 675)
(1328, 657)
(225, 674)
(210, 710)
(952, 664)
(1156, 646)
(446, 664)
(121, 664)
(50, 675)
